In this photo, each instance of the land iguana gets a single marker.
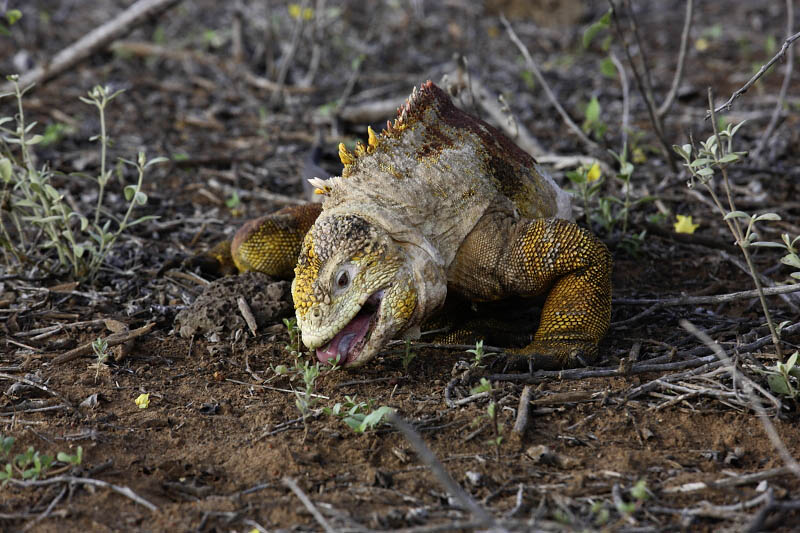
(439, 202)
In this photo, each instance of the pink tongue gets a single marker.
(341, 343)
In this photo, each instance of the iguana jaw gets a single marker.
(347, 346)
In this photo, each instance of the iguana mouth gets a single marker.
(351, 339)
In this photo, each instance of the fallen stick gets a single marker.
(521, 423)
(309, 505)
(93, 41)
(704, 300)
(125, 491)
(112, 340)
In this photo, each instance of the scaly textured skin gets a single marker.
(439, 201)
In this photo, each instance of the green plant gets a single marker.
(100, 349)
(305, 400)
(11, 16)
(588, 182)
(38, 210)
(640, 495)
(71, 459)
(703, 163)
(592, 123)
(792, 247)
(600, 512)
(782, 377)
(491, 415)
(31, 464)
(408, 356)
(294, 337)
(479, 354)
(360, 416)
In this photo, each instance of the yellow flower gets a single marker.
(701, 44)
(296, 12)
(594, 173)
(143, 400)
(684, 224)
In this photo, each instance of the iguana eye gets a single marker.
(342, 280)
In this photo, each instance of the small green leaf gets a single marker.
(736, 214)
(729, 158)
(593, 110)
(791, 260)
(778, 384)
(591, 32)
(768, 244)
(140, 198)
(607, 68)
(767, 216)
(792, 360)
(155, 161)
(13, 15)
(5, 169)
(639, 490)
(130, 191)
(705, 172)
(375, 417)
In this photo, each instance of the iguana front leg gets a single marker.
(268, 244)
(544, 257)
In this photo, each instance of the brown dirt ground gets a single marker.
(222, 430)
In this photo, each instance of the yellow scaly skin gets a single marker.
(439, 202)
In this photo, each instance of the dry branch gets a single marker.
(93, 41)
(707, 300)
(112, 340)
(531, 64)
(642, 82)
(676, 81)
(787, 79)
(125, 491)
(744, 88)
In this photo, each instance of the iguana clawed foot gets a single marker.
(551, 355)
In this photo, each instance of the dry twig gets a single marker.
(247, 313)
(626, 106)
(787, 79)
(125, 491)
(755, 403)
(707, 300)
(93, 41)
(676, 81)
(531, 64)
(523, 410)
(438, 470)
(112, 340)
(294, 487)
(642, 82)
(744, 88)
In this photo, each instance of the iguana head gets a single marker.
(355, 288)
